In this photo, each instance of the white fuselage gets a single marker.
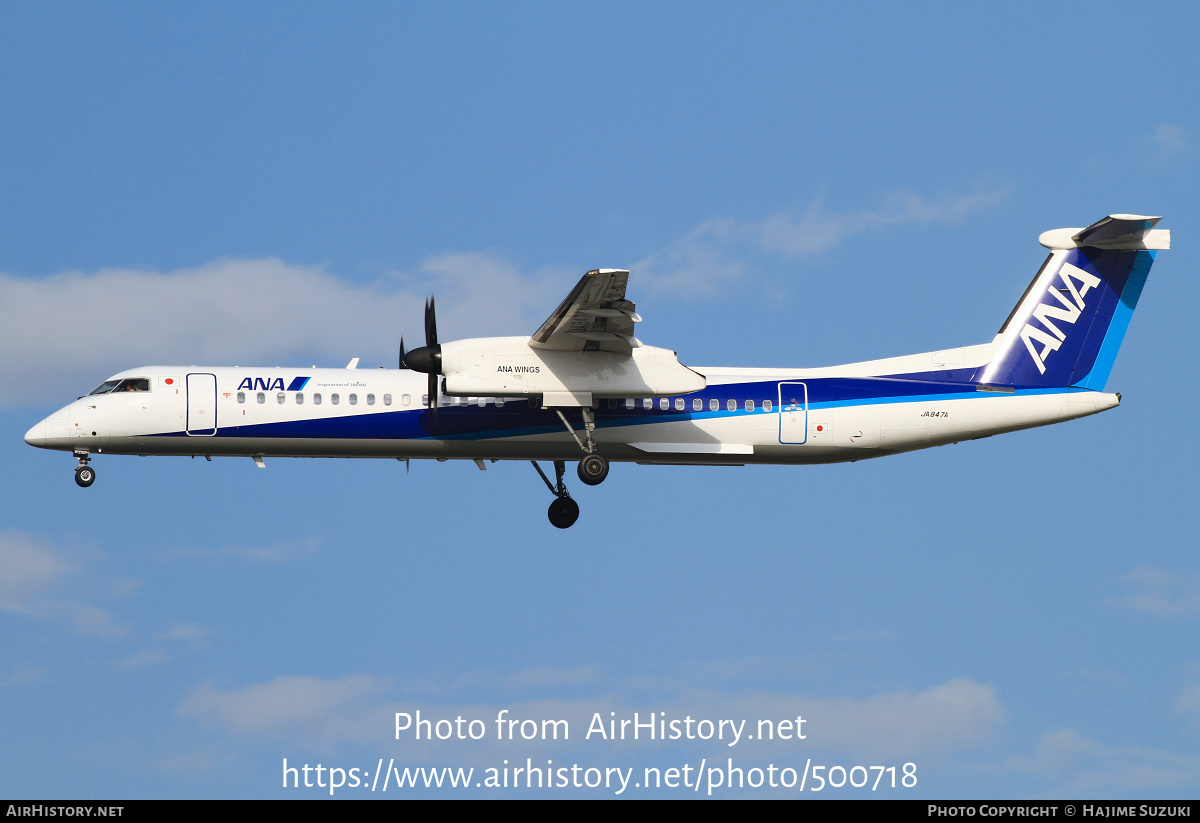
(741, 416)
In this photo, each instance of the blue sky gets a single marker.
(791, 185)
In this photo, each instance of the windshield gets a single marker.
(128, 384)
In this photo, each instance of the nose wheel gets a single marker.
(85, 475)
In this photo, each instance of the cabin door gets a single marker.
(793, 413)
(202, 405)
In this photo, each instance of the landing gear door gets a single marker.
(201, 405)
(793, 413)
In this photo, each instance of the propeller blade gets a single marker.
(427, 358)
(430, 323)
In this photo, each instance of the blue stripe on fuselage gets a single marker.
(516, 418)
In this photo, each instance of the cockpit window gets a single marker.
(128, 384)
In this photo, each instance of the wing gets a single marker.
(594, 317)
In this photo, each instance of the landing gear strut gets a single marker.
(85, 475)
(563, 511)
(593, 468)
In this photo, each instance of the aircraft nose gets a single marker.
(36, 436)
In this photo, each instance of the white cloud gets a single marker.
(185, 632)
(537, 678)
(953, 716)
(274, 553)
(1160, 592)
(1170, 141)
(34, 581)
(24, 675)
(316, 710)
(1078, 767)
(27, 567)
(1187, 703)
(716, 252)
(65, 333)
(959, 714)
(147, 657)
(541, 677)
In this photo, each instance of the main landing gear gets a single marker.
(563, 511)
(85, 475)
(592, 470)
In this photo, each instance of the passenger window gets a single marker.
(405, 399)
(697, 404)
(731, 404)
(354, 400)
(629, 402)
(767, 405)
(334, 399)
(387, 400)
(678, 404)
(714, 404)
(612, 402)
(316, 398)
(647, 403)
(279, 398)
(299, 398)
(262, 398)
(664, 403)
(370, 400)
(749, 405)
(241, 397)
(482, 402)
(499, 402)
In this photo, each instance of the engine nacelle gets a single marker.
(509, 367)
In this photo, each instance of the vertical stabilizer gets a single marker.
(1070, 323)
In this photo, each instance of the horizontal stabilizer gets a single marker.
(1117, 232)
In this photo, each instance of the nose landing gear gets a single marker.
(85, 475)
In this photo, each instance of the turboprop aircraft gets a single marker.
(584, 388)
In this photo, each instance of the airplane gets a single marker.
(582, 387)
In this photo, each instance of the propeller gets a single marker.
(427, 358)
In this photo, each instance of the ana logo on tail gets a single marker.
(1072, 300)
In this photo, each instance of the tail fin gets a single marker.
(1069, 324)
